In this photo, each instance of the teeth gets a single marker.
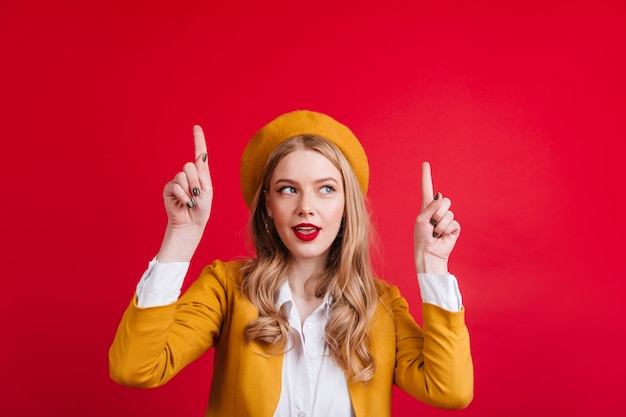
(306, 229)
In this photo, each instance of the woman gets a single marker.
(303, 328)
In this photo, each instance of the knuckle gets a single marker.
(180, 177)
(176, 189)
(422, 218)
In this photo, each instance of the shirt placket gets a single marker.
(302, 387)
(311, 348)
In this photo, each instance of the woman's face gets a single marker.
(306, 201)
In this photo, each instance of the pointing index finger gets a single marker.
(427, 185)
(199, 142)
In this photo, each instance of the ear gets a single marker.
(268, 209)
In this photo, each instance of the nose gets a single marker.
(305, 206)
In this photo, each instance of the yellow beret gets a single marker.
(297, 123)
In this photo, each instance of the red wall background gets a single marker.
(518, 105)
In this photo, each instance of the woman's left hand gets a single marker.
(435, 231)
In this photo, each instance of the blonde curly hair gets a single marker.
(348, 277)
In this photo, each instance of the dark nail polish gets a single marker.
(433, 222)
(435, 234)
(204, 156)
(196, 191)
(189, 204)
(437, 196)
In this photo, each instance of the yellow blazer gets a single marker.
(151, 345)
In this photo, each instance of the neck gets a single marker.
(304, 276)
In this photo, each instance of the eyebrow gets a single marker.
(320, 180)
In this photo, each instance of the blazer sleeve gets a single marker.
(433, 363)
(153, 344)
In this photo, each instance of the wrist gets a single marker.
(425, 264)
(179, 245)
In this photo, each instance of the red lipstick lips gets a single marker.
(306, 231)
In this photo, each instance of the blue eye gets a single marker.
(327, 189)
(287, 190)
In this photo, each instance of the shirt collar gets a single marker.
(285, 298)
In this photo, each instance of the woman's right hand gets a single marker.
(187, 199)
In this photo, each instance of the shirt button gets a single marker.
(310, 326)
(301, 414)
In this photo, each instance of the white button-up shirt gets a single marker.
(312, 384)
